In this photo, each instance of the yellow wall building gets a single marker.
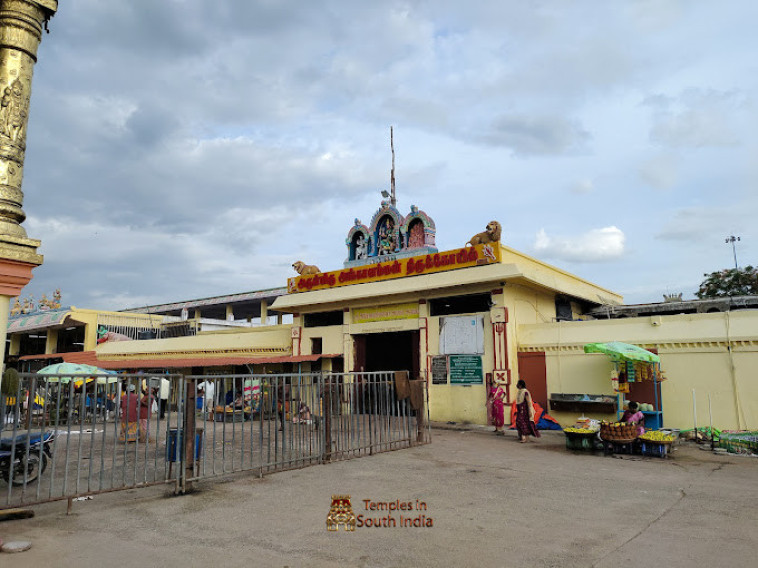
(459, 319)
(409, 320)
(713, 354)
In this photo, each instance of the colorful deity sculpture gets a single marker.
(390, 235)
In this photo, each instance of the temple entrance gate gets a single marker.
(75, 436)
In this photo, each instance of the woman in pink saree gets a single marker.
(633, 414)
(497, 406)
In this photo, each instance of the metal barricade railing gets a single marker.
(66, 436)
(262, 423)
(369, 414)
(273, 422)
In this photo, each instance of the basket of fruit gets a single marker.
(656, 443)
(618, 432)
(657, 437)
(573, 430)
(580, 438)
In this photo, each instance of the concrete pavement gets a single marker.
(490, 500)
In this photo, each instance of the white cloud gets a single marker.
(536, 135)
(596, 245)
(660, 172)
(709, 223)
(696, 119)
(197, 155)
(583, 186)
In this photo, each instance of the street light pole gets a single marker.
(732, 239)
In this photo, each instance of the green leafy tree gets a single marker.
(731, 282)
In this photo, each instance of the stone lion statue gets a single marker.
(304, 269)
(491, 235)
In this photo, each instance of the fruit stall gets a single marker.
(637, 371)
(632, 365)
(618, 438)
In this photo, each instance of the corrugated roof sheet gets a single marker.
(37, 320)
(84, 357)
(42, 357)
(214, 301)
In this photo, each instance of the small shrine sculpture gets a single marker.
(45, 304)
(491, 235)
(361, 247)
(104, 335)
(50, 304)
(390, 236)
(305, 269)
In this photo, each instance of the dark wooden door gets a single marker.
(531, 368)
(415, 355)
(360, 353)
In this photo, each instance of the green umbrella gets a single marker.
(622, 352)
(65, 373)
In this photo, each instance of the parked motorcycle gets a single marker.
(29, 454)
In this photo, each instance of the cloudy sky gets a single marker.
(180, 149)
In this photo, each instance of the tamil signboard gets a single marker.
(414, 266)
(385, 313)
(439, 370)
(466, 370)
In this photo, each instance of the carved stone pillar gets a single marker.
(21, 26)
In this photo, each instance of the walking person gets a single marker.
(525, 413)
(496, 402)
(145, 410)
(207, 390)
(129, 415)
(282, 395)
(164, 392)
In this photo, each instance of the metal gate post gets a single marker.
(327, 452)
(421, 416)
(189, 437)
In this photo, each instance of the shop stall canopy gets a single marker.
(629, 357)
(622, 352)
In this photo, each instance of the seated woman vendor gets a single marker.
(633, 414)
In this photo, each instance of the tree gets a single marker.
(731, 282)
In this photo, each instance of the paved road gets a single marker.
(491, 502)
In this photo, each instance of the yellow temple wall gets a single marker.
(713, 354)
